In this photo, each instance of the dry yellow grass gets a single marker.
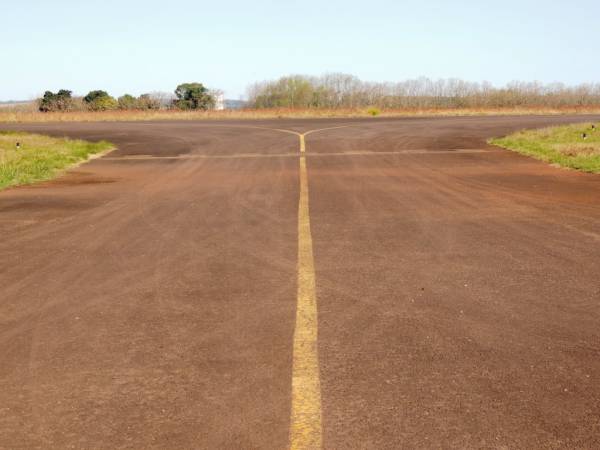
(16, 116)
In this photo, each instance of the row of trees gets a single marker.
(347, 91)
(187, 96)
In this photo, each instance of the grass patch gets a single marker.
(40, 157)
(563, 145)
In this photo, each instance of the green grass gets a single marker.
(563, 146)
(41, 157)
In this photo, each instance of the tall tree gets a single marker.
(193, 96)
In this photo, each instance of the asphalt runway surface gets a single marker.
(397, 284)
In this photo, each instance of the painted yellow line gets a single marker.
(328, 128)
(302, 150)
(200, 156)
(305, 424)
(305, 421)
(302, 143)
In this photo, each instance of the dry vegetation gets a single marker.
(330, 95)
(573, 146)
(338, 90)
(23, 116)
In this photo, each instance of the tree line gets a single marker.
(338, 90)
(187, 96)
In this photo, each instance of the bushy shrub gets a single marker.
(372, 111)
(147, 101)
(61, 101)
(128, 102)
(100, 101)
(93, 95)
(104, 104)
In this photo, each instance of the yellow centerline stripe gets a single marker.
(305, 424)
(302, 143)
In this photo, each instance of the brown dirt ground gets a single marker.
(148, 297)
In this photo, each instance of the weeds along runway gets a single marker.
(399, 283)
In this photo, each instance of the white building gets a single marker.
(220, 101)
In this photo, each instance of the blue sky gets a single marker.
(141, 46)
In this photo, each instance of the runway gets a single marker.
(362, 283)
